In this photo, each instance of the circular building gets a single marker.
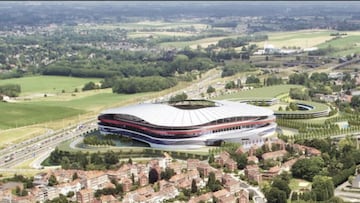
(189, 123)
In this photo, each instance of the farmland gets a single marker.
(303, 39)
(20, 114)
(260, 93)
(48, 84)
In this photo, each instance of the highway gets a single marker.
(13, 155)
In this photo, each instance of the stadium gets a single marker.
(189, 123)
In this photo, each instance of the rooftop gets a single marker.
(161, 114)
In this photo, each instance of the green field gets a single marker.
(318, 107)
(20, 114)
(303, 38)
(344, 45)
(95, 101)
(260, 93)
(48, 84)
(142, 25)
(157, 34)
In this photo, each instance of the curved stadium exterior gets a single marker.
(189, 124)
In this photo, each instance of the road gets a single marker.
(347, 196)
(42, 145)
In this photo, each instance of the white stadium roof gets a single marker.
(167, 115)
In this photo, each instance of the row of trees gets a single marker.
(146, 84)
(233, 68)
(94, 140)
(240, 41)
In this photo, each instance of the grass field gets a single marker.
(298, 184)
(158, 34)
(264, 92)
(48, 84)
(142, 25)
(345, 45)
(21, 114)
(303, 38)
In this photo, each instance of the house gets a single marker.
(40, 179)
(252, 159)
(243, 196)
(122, 172)
(287, 165)
(64, 176)
(252, 172)
(138, 195)
(95, 180)
(143, 179)
(204, 197)
(222, 158)
(271, 173)
(274, 155)
(228, 199)
(22, 199)
(192, 164)
(221, 194)
(108, 199)
(65, 188)
(184, 180)
(126, 184)
(301, 149)
(231, 164)
(85, 196)
(176, 166)
(312, 151)
(43, 193)
(240, 151)
(204, 168)
(231, 184)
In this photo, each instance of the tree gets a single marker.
(179, 97)
(167, 174)
(213, 184)
(110, 158)
(11, 90)
(194, 188)
(323, 188)
(153, 176)
(307, 168)
(355, 101)
(211, 179)
(241, 161)
(89, 86)
(75, 176)
(252, 79)
(210, 90)
(276, 196)
(282, 185)
(52, 181)
(211, 158)
(70, 194)
(230, 85)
